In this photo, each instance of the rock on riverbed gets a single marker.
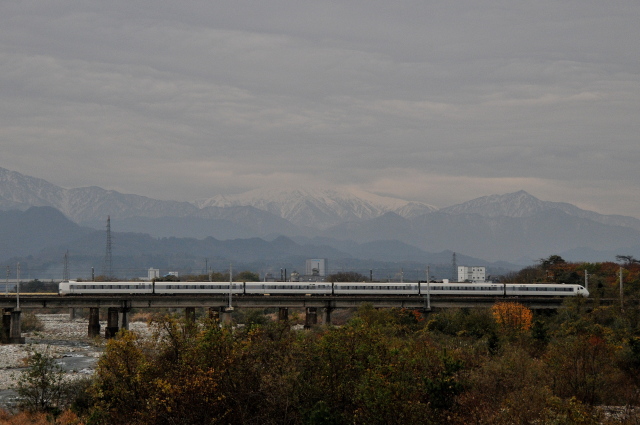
(64, 339)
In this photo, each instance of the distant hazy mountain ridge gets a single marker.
(522, 204)
(85, 204)
(511, 227)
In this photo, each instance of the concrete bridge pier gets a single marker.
(112, 323)
(326, 315)
(190, 314)
(72, 313)
(283, 314)
(214, 314)
(123, 317)
(225, 316)
(94, 322)
(11, 319)
(311, 317)
(6, 325)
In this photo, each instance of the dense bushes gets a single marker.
(30, 322)
(382, 367)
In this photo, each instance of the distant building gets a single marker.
(471, 274)
(153, 274)
(316, 267)
(176, 274)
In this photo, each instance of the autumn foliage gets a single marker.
(512, 316)
(503, 365)
(381, 367)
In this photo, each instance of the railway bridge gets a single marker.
(119, 306)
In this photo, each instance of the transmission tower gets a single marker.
(107, 268)
(454, 269)
(65, 271)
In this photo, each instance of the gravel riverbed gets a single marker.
(63, 338)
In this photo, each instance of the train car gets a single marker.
(294, 288)
(484, 289)
(368, 288)
(172, 288)
(506, 289)
(545, 290)
(325, 288)
(93, 288)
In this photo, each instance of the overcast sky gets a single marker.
(434, 101)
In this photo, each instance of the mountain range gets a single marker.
(287, 226)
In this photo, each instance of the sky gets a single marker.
(432, 101)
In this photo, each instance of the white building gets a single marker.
(316, 267)
(471, 274)
(153, 274)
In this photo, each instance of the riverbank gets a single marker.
(63, 338)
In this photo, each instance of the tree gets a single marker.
(582, 367)
(41, 386)
(122, 385)
(512, 317)
(627, 259)
(553, 260)
(347, 277)
(247, 276)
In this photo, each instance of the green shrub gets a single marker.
(30, 322)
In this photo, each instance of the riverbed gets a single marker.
(63, 338)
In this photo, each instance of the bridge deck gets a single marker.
(262, 301)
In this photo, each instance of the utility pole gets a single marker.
(108, 261)
(18, 289)
(428, 290)
(65, 271)
(621, 292)
(230, 308)
(586, 279)
(454, 269)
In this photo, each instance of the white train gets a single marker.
(324, 288)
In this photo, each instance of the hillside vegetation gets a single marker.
(504, 365)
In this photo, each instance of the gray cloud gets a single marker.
(430, 101)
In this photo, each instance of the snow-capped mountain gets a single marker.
(320, 208)
(18, 191)
(85, 204)
(307, 208)
(522, 204)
